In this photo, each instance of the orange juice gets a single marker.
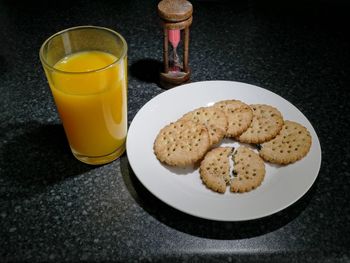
(89, 89)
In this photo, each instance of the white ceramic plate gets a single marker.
(183, 189)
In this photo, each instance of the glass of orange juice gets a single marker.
(86, 68)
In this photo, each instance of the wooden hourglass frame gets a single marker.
(176, 18)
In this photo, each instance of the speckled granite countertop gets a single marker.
(54, 208)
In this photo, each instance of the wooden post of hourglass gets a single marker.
(176, 17)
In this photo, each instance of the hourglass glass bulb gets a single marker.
(174, 39)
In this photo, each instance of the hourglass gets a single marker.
(176, 18)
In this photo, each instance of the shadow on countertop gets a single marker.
(36, 156)
(147, 70)
(208, 228)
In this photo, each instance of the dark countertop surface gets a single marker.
(54, 208)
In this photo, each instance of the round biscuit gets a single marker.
(267, 123)
(239, 116)
(249, 170)
(214, 120)
(215, 169)
(181, 143)
(290, 145)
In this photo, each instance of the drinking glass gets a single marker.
(86, 68)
